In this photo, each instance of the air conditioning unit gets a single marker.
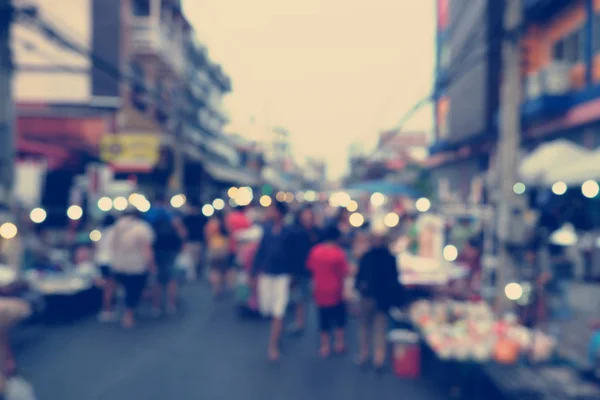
(534, 86)
(557, 80)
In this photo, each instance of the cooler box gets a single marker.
(406, 353)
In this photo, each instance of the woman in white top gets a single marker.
(103, 260)
(132, 259)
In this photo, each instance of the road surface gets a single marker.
(206, 353)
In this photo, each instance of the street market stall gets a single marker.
(68, 296)
(470, 353)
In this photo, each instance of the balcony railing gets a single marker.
(150, 38)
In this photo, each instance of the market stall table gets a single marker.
(67, 296)
(423, 271)
(470, 352)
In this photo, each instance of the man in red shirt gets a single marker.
(329, 267)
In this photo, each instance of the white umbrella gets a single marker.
(549, 157)
(576, 172)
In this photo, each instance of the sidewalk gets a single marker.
(576, 332)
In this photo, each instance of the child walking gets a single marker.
(329, 267)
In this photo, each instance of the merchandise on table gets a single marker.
(67, 284)
(470, 332)
(416, 270)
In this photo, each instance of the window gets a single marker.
(570, 48)
(140, 8)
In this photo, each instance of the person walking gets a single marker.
(235, 221)
(132, 259)
(273, 269)
(329, 266)
(378, 285)
(218, 254)
(103, 259)
(170, 234)
(194, 222)
(304, 235)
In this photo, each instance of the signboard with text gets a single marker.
(131, 151)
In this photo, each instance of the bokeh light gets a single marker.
(391, 220)
(450, 253)
(519, 188)
(208, 210)
(143, 205)
(95, 235)
(289, 197)
(310, 196)
(134, 198)
(559, 188)
(356, 220)
(75, 212)
(423, 204)
(105, 204)
(120, 203)
(243, 196)
(178, 201)
(513, 291)
(38, 215)
(265, 201)
(590, 189)
(218, 204)
(352, 206)
(377, 199)
(8, 230)
(232, 192)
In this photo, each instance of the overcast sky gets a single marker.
(332, 72)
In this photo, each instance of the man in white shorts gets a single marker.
(272, 266)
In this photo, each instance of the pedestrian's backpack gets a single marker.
(167, 237)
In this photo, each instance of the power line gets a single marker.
(462, 66)
(47, 29)
(32, 48)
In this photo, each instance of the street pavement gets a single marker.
(206, 353)
(576, 331)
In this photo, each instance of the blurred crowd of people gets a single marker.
(296, 253)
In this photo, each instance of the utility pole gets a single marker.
(509, 217)
(6, 105)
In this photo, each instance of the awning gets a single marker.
(576, 171)
(548, 157)
(385, 187)
(234, 176)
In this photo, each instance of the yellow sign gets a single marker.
(130, 149)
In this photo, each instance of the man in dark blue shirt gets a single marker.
(273, 268)
(170, 235)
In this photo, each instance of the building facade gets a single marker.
(123, 82)
(561, 72)
(561, 96)
(467, 95)
(212, 161)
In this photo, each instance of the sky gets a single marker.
(332, 72)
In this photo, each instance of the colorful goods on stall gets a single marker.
(416, 270)
(469, 331)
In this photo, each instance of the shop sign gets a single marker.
(131, 150)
